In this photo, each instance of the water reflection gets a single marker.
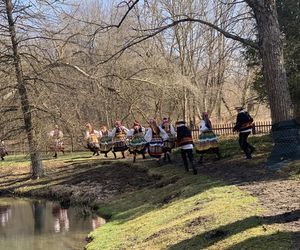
(97, 222)
(36, 225)
(5, 214)
(61, 219)
(39, 216)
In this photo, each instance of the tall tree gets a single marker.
(289, 21)
(37, 167)
(270, 47)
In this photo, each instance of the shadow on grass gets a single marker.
(210, 238)
(270, 242)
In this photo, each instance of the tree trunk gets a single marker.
(271, 50)
(37, 167)
(284, 130)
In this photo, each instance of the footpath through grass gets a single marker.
(184, 211)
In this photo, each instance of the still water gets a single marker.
(41, 225)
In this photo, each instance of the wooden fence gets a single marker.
(227, 129)
(73, 144)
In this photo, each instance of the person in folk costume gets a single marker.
(185, 141)
(3, 151)
(91, 137)
(170, 143)
(207, 141)
(244, 127)
(137, 143)
(57, 144)
(155, 136)
(119, 133)
(105, 140)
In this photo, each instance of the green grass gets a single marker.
(181, 211)
(21, 160)
(194, 212)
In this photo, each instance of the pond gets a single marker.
(42, 225)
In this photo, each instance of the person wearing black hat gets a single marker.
(185, 141)
(244, 127)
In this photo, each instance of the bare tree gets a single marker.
(37, 167)
(269, 45)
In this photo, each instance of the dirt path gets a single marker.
(276, 192)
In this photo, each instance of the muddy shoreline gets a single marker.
(86, 184)
(100, 181)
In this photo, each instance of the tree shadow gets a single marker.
(270, 242)
(211, 237)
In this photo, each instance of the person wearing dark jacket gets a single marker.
(185, 141)
(244, 127)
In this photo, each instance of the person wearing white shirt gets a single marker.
(137, 143)
(208, 141)
(91, 137)
(155, 136)
(169, 144)
(57, 143)
(119, 138)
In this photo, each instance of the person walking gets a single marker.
(91, 138)
(155, 137)
(3, 151)
(185, 141)
(137, 143)
(244, 126)
(169, 144)
(119, 139)
(208, 141)
(57, 143)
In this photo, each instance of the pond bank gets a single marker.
(162, 207)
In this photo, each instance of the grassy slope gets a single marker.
(182, 211)
(188, 212)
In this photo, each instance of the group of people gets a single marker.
(159, 139)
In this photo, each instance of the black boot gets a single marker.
(201, 159)
(194, 169)
(248, 152)
(186, 168)
(55, 155)
(168, 157)
(165, 157)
